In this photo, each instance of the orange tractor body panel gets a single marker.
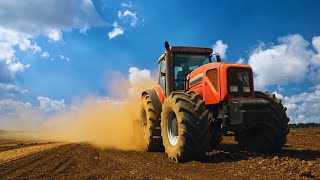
(206, 89)
(210, 82)
(224, 83)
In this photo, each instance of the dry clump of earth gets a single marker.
(300, 159)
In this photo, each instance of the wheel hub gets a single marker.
(172, 129)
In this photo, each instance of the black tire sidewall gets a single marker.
(170, 107)
(193, 126)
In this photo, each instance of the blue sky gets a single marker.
(55, 51)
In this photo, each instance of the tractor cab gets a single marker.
(192, 68)
(181, 62)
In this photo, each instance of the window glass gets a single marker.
(184, 64)
(206, 61)
(162, 79)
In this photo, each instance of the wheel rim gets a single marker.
(144, 123)
(172, 129)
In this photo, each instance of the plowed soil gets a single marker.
(300, 159)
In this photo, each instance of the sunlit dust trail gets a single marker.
(103, 122)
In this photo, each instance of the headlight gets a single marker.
(246, 89)
(233, 88)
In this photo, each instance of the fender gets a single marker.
(154, 99)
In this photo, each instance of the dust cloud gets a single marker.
(105, 122)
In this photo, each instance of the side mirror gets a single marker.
(218, 58)
(162, 74)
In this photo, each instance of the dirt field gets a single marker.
(300, 159)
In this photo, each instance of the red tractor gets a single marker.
(196, 101)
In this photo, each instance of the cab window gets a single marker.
(162, 70)
(184, 64)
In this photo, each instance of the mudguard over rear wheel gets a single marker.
(269, 136)
(185, 127)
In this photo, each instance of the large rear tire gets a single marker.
(185, 127)
(270, 136)
(150, 126)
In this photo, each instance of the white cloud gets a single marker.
(139, 80)
(131, 17)
(47, 104)
(280, 88)
(220, 48)
(35, 48)
(40, 17)
(55, 34)
(240, 61)
(9, 64)
(316, 43)
(84, 30)
(288, 61)
(45, 54)
(22, 21)
(24, 44)
(314, 74)
(19, 115)
(64, 57)
(18, 66)
(11, 90)
(137, 76)
(127, 5)
(7, 86)
(116, 31)
(10, 104)
(314, 69)
(304, 107)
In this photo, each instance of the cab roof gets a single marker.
(187, 50)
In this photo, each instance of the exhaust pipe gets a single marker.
(169, 69)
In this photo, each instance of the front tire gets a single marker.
(185, 127)
(270, 136)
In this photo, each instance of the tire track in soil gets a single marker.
(86, 161)
(23, 166)
(82, 161)
(18, 153)
(15, 163)
(58, 166)
(76, 160)
(8, 147)
(141, 165)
